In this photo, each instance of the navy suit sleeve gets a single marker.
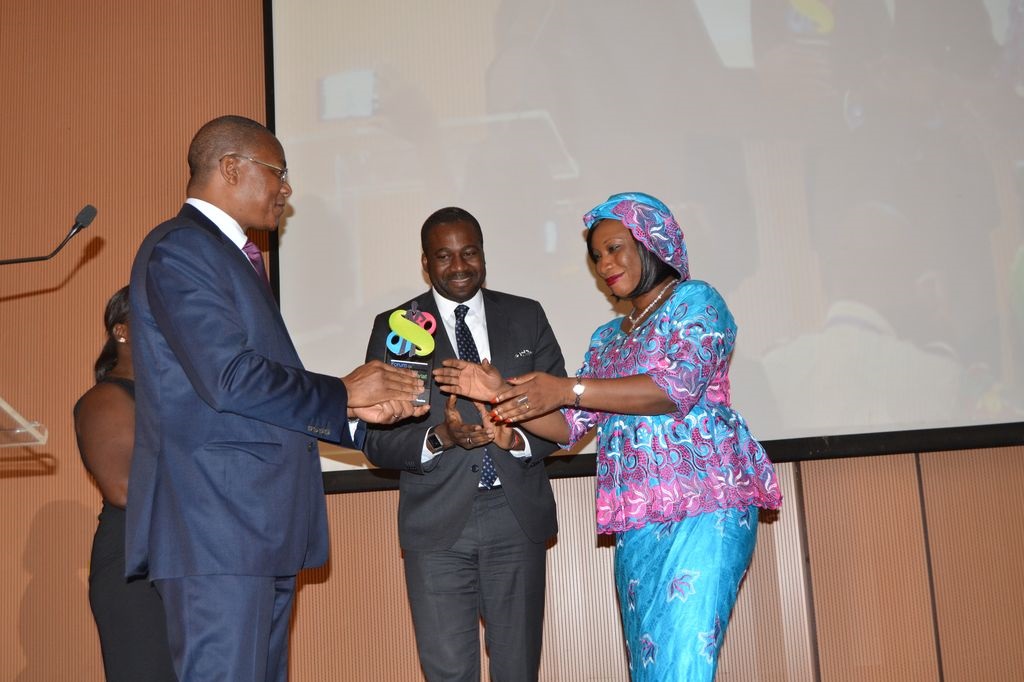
(223, 330)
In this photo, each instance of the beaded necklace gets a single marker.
(633, 318)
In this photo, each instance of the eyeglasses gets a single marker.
(281, 173)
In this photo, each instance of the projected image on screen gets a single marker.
(848, 174)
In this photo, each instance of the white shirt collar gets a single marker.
(225, 223)
(446, 307)
(476, 321)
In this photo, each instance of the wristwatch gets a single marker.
(434, 442)
(578, 390)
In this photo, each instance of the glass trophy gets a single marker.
(410, 345)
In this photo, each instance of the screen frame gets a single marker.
(806, 449)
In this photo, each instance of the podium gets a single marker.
(16, 431)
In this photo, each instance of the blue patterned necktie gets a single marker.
(468, 352)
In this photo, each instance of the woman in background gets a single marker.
(129, 615)
(679, 477)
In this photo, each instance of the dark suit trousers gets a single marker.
(228, 627)
(492, 571)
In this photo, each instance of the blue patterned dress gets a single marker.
(680, 490)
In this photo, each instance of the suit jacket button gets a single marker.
(475, 469)
(309, 447)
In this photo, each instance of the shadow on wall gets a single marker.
(54, 618)
(90, 252)
(21, 462)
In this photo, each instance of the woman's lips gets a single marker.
(613, 279)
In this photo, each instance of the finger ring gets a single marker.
(523, 400)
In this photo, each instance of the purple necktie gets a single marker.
(256, 258)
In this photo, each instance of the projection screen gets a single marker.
(848, 174)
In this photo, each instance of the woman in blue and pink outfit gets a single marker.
(679, 477)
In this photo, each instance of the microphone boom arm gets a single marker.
(82, 220)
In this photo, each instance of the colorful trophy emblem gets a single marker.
(411, 337)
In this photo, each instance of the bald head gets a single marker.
(223, 135)
(239, 166)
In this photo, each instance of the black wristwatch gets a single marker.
(434, 442)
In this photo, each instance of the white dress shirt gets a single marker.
(476, 320)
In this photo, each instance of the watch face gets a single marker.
(434, 442)
(578, 388)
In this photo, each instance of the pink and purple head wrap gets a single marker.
(651, 223)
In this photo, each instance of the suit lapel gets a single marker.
(195, 215)
(498, 330)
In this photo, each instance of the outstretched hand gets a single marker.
(378, 382)
(389, 411)
(470, 380)
(530, 396)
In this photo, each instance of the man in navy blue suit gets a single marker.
(225, 501)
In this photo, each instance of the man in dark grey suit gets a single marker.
(475, 506)
(226, 500)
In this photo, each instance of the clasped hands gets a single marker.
(380, 393)
(513, 400)
(455, 431)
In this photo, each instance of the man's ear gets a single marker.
(229, 169)
(423, 260)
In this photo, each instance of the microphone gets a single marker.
(84, 218)
(82, 221)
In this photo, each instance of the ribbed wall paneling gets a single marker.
(976, 536)
(353, 622)
(352, 619)
(770, 636)
(99, 102)
(865, 537)
(582, 634)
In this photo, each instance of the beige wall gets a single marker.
(99, 101)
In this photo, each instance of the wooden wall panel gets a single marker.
(99, 101)
(976, 536)
(353, 621)
(582, 635)
(771, 633)
(356, 625)
(871, 596)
